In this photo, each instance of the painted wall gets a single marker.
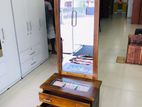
(130, 7)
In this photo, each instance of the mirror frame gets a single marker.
(59, 43)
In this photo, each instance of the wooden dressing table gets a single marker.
(71, 89)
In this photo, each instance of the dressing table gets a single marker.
(76, 84)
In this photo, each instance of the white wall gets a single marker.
(130, 7)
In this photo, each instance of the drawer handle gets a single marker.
(46, 101)
(33, 63)
(33, 53)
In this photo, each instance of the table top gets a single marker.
(72, 87)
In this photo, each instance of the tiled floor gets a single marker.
(121, 82)
(121, 87)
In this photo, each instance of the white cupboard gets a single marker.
(23, 39)
(9, 61)
(31, 33)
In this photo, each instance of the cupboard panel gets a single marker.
(9, 62)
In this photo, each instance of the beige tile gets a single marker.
(132, 78)
(110, 97)
(130, 99)
(113, 74)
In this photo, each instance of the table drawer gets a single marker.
(46, 105)
(61, 102)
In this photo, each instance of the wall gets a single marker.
(130, 7)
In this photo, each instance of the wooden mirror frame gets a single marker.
(59, 43)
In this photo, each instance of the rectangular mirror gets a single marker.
(77, 24)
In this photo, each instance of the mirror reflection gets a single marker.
(1, 49)
(77, 33)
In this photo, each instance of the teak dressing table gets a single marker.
(75, 84)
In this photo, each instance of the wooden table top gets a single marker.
(90, 95)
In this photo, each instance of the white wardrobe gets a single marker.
(29, 17)
(23, 39)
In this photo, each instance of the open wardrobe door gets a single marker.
(77, 28)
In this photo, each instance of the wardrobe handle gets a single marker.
(28, 29)
(3, 35)
(31, 28)
(40, 25)
(33, 63)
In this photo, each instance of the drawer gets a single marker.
(28, 66)
(30, 52)
(37, 47)
(60, 101)
(46, 105)
(37, 58)
(24, 56)
(31, 64)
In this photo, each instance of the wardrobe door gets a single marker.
(31, 9)
(30, 41)
(22, 24)
(23, 33)
(42, 28)
(9, 61)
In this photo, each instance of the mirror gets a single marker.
(77, 36)
(1, 54)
